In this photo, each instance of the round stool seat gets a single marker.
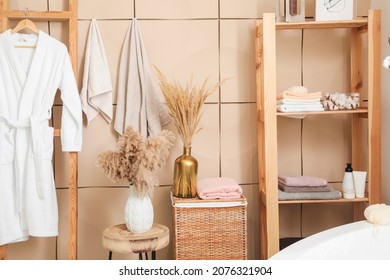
(118, 239)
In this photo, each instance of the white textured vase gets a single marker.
(138, 212)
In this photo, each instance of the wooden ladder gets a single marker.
(69, 16)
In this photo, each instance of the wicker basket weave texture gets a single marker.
(218, 233)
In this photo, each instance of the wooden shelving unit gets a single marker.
(265, 47)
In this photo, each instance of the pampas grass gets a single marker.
(137, 160)
(185, 104)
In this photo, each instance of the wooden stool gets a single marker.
(118, 239)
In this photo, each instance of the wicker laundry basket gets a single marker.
(209, 229)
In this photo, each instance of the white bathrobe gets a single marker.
(29, 79)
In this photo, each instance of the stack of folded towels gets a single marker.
(302, 184)
(298, 99)
(305, 187)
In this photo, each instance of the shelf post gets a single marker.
(357, 129)
(73, 156)
(3, 19)
(374, 106)
(3, 26)
(267, 134)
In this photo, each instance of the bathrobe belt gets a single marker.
(32, 123)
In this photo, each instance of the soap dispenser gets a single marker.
(348, 188)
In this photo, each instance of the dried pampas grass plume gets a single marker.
(137, 159)
(185, 104)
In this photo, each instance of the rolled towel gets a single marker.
(378, 214)
(299, 181)
(219, 187)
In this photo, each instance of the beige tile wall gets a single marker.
(204, 38)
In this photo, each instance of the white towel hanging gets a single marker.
(96, 92)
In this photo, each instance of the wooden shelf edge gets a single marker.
(38, 15)
(312, 24)
(341, 200)
(357, 111)
(307, 201)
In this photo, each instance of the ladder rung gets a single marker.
(38, 15)
(57, 132)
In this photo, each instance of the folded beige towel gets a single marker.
(301, 181)
(298, 95)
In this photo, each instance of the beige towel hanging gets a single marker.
(96, 92)
(139, 97)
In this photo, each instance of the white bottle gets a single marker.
(348, 188)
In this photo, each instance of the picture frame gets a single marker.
(326, 10)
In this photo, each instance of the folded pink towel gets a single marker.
(220, 187)
(300, 181)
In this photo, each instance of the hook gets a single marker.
(25, 13)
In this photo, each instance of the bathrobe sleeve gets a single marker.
(71, 123)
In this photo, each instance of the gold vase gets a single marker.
(185, 174)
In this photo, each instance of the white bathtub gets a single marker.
(354, 241)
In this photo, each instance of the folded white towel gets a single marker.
(299, 95)
(96, 92)
(291, 101)
(139, 101)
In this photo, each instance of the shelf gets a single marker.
(39, 15)
(360, 23)
(311, 24)
(306, 201)
(357, 111)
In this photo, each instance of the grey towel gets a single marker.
(304, 189)
(333, 194)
